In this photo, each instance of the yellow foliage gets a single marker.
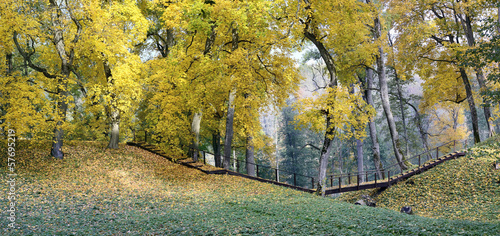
(349, 113)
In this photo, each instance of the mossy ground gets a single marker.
(97, 191)
(467, 188)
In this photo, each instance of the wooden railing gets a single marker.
(351, 181)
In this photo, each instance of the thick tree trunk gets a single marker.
(472, 106)
(371, 124)
(230, 111)
(249, 154)
(195, 130)
(217, 147)
(229, 130)
(384, 95)
(112, 110)
(250, 160)
(115, 129)
(325, 156)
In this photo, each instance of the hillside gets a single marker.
(132, 192)
(467, 188)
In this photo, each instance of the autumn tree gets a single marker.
(431, 35)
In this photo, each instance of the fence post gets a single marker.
(276, 174)
(257, 173)
(357, 187)
(294, 179)
(340, 183)
(375, 179)
(331, 181)
(237, 165)
(437, 153)
(204, 160)
(349, 178)
(312, 182)
(419, 161)
(145, 136)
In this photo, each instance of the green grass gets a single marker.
(95, 191)
(467, 188)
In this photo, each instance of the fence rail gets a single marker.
(344, 182)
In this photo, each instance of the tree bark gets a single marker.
(330, 131)
(250, 160)
(249, 154)
(217, 147)
(112, 110)
(371, 124)
(422, 132)
(115, 129)
(472, 106)
(403, 116)
(384, 95)
(467, 26)
(195, 130)
(359, 153)
(229, 130)
(230, 111)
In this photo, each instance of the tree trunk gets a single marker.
(250, 161)
(384, 95)
(249, 154)
(329, 133)
(229, 130)
(467, 26)
(115, 130)
(359, 152)
(403, 116)
(472, 106)
(230, 111)
(325, 155)
(216, 146)
(422, 132)
(112, 110)
(371, 124)
(195, 130)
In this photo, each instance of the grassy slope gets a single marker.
(130, 191)
(467, 188)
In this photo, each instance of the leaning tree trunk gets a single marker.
(422, 132)
(371, 124)
(384, 95)
(330, 130)
(472, 106)
(467, 26)
(195, 130)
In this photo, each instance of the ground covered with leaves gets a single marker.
(133, 192)
(467, 188)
